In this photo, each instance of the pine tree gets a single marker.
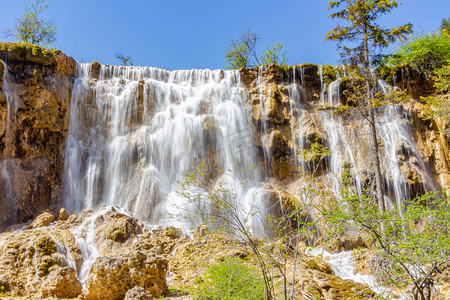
(360, 42)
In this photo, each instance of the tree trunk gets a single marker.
(375, 154)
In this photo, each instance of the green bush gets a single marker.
(425, 53)
(231, 279)
(442, 79)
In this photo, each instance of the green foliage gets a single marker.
(231, 279)
(424, 53)
(363, 35)
(242, 52)
(27, 49)
(3, 290)
(125, 60)
(442, 78)
(329, 74)
(445, 25)
(219, 205)
(32, 28)
(411, 241)
(274, 55)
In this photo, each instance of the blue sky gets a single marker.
(185, 34)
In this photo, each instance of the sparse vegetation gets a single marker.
(242, 53)
(32, 27)
(230, 279)
(125, 60)
(411, 244)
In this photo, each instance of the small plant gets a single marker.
(3, 290)
(231, 279)
(242, 53)
(274, 55)
(125, 60)
(32, 28)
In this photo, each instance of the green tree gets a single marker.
(445, 25)
(274, 55)
(242, 52)
(410, 245)
(32, 28)
(230, 279)
(219, 205)
(360, 42)
(425, 53)
(125, 60)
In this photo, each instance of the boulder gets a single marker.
(138, 293)
(61, 283)
(111, 277)
(42, 220)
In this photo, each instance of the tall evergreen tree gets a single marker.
(360, 42)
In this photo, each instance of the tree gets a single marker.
(125, 60)
(230, 279)
(410, 245)
(242, 52)
(424, 53)
(274, 55)
(32, 28)
(360, 42)
(219, 205)
(445, 25)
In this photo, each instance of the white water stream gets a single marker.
(135, 132)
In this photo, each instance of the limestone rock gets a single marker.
(61, 283)
(138, 293)
(111, 277)
(32, 157)
(113, 229)
(62, 215)
(42, 220)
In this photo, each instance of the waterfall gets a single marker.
(7, 174)
(394, 131)
(135, 132)
(341, 156)
(264, 132)
(11, 109)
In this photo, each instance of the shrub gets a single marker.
(425, 53)
(442, 79)
(231, 279)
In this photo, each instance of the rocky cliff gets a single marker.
(284, 120)
(136, 131)
(34, 115)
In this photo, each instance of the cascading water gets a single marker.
(341, 152)
(137, 131)
(296, 114)
(264, 133)
(7, 164)
(395, 132)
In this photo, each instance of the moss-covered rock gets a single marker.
(27, 52)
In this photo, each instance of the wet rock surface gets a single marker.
(32, 137)
(46, 261)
